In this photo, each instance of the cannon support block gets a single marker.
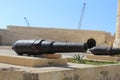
(31, 61)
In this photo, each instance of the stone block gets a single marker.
(31, 61)
(70, 72)
(51, 56)
(102, 57)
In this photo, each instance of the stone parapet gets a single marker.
(70, 72)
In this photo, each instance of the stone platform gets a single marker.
(70, 72)
(31, 61)
(102, 57)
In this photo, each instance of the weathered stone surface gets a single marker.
(70, 72)
(31, 61)
(98, 73)
(96, 57)
(8, 74)
(30, 76)
(51, 56)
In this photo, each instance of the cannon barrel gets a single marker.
(105, 50)
(38, 47)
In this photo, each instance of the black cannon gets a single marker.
(102, 50)
(38, 47)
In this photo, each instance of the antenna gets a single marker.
(26, 21)
(81, 16)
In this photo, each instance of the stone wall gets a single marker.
(109, 39)
(6, 37)
(71, 72)
(21, 32)
(12, 33)
(9, 37)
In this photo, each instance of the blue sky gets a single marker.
(99, 14)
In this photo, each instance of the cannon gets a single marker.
(102, 50)
(38, 47)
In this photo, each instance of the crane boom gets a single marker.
(81, 16)
(26, 21)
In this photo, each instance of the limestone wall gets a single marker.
(109, 39)
(20, 32)
(6, 37)
(9, 37)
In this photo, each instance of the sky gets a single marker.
(98, 15)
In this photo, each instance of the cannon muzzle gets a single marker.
(105, 50)
(38, 47)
